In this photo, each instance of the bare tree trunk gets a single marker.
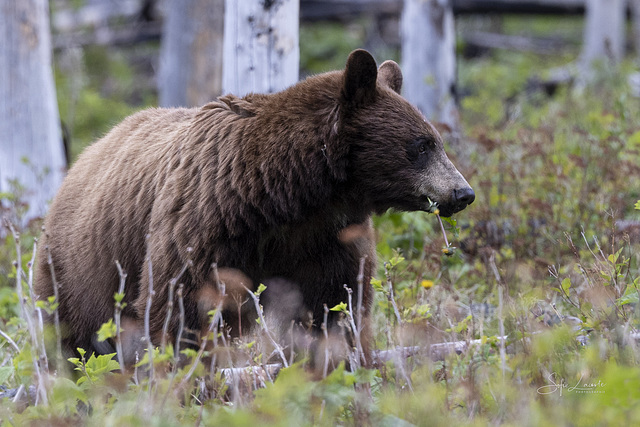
(191, 53)
(261, 48)
(635, 24)
(603, 32)
(31, 149)
(428, 58)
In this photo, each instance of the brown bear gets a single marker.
(278, 188)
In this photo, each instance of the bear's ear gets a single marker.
(359, 84)
(389, 74)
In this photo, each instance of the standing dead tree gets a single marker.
(191, 53)
(635, 15)
(603, 31)
(428, 58)
(32, 159)
(261, 49)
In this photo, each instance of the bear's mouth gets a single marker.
(460, 198)
(445, 209)
(448, 210)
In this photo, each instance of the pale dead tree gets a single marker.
(190, 71)
(428, 58)
(604, 31)
(261, 46)
(635, 24)
(31, 149)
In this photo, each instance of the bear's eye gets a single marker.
(418, 149)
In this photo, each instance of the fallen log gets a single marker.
(107, 36)
(257, 374)
(485, 40)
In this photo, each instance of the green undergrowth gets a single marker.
(541, 292)
(97, 87)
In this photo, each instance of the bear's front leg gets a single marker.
(303, 280)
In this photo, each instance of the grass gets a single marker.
(548, 257)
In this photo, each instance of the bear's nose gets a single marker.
(464, 197)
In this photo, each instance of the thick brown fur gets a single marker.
(277, 187)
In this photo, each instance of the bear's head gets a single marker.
(395, 156)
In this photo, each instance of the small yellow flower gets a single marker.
(427, 284)
(448, 251)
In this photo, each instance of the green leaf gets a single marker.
(566, 284)
(637, 205)
(605, 276)
(340, 307)
(613, 258)
(5, 373)
(340, 376)
(290, 394)
(261, 289)
(449, 220)
(145, 357)
(102, 364)
(422, 310)
(64, 389)
(454, 225)
(397, 259)
(463, 325)
(630, 295)
(366, 376)
(377, 285)
(106, 331)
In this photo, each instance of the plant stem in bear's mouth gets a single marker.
(448, 249)
(433, 208)
(443, 232)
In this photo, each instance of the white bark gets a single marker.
(428, 58)
(635, 24)
(29, 119)
(603, 32)
(191, 54)
(261, 48)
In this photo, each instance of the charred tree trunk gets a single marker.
(191, 53)
(261, 49)
(31, 149)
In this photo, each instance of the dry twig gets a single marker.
(117, 314)
(56, 314)
(263, 325)
(27, 315)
